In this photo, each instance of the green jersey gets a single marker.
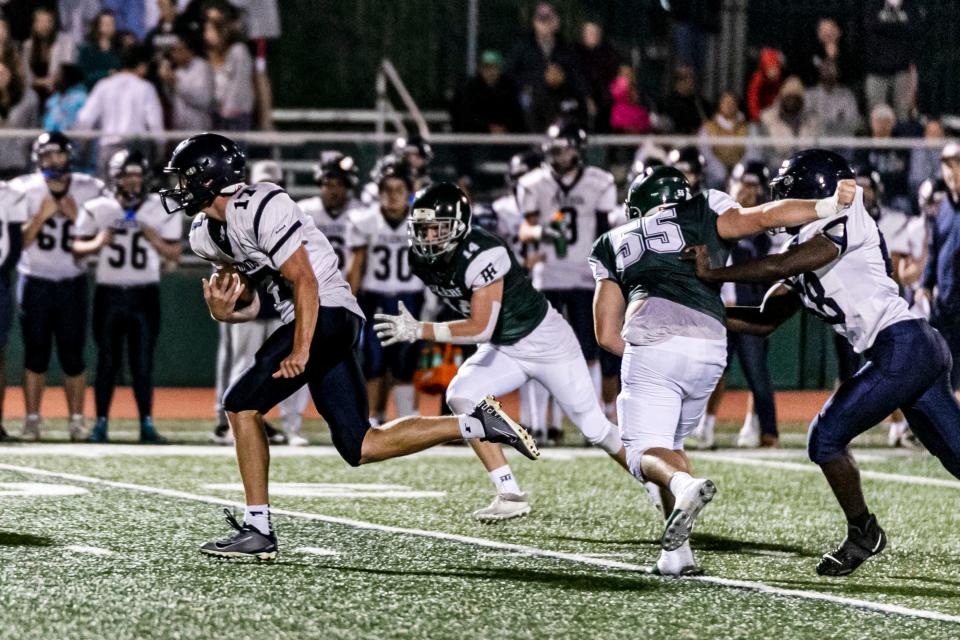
(480, 259)
(644, 255)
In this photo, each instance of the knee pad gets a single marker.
(460, 397)
(598, 430)
(820, 447)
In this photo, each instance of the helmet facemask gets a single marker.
(188, 194)
(431, 237)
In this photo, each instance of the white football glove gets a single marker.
(400, 328)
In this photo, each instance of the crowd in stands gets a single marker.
(132, 67)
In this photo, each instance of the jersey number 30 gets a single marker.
(656, 234)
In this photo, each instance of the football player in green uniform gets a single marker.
(650, 307)
(520, 336)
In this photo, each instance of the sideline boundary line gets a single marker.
(743, 585)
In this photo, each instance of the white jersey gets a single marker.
(264, 228)
(904, 234)
(509, 218)
(853, 292)
(10, 213)
(332, 224)
(585, 205)
(129, 260)
(387, 270)
(49, 256)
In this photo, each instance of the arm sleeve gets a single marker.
(281, 233)
(602, 262)
(86, 225)
(487, 267)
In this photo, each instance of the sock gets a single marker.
(504, 480)
(860, 521)
(403, 397)
(673, 562)
(679, 482)
(258, 517)
(33, 416)
(76, 417)
(469, 427)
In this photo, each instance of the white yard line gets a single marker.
(809, 467)
(493, 544)
(316, 551)
(95, 551)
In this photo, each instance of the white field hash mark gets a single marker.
(95, 551)
(520, 549)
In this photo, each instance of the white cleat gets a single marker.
(297, 440)
(504, 507)
(77, 429)
(31, 429)
(704, 433)
(222, 435)
(677, 563)
(689, 504)
(896, 434)
(749, 436)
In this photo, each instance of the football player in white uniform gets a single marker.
(567, 205)
(336, 175)
(382, 279)
(11, 243)
(53, 287)
(839, 270)
(411, 149)
(132, 235)
(262, 233)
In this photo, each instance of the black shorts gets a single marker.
(402, 359)
(333, 374)
(54, 309)
(576, 305)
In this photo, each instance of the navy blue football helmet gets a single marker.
(204, 166)
(810, 174)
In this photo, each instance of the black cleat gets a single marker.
(854, 550)
(498, 427)
(247, 542)
(148, 433)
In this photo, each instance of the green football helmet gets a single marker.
(440, 217)
(655, 187)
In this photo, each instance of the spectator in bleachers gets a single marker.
(487, 102)
(600, 64)
(939, 288)
(262, 24)
(727, 121)
(164, 34)
(9, 49)
(122, 105)
(829, 47)
(69, 96)
(131, 15)
(627, 114)
(556, 98)
(527, 63)
(787, 118)
(683, 105)
(834, 104)
(233, 75)
(889, 42)
(765, 83)
(75, 17)
(99, 55)
(44, 51)
(692, 23)
(925, 161)
(188, 84)
(893, 165)
(19, 107)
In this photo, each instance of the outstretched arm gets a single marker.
(743, 223)
(804, 257)
(476, 329)
(779, 304)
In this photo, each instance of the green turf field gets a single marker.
(390, 550)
